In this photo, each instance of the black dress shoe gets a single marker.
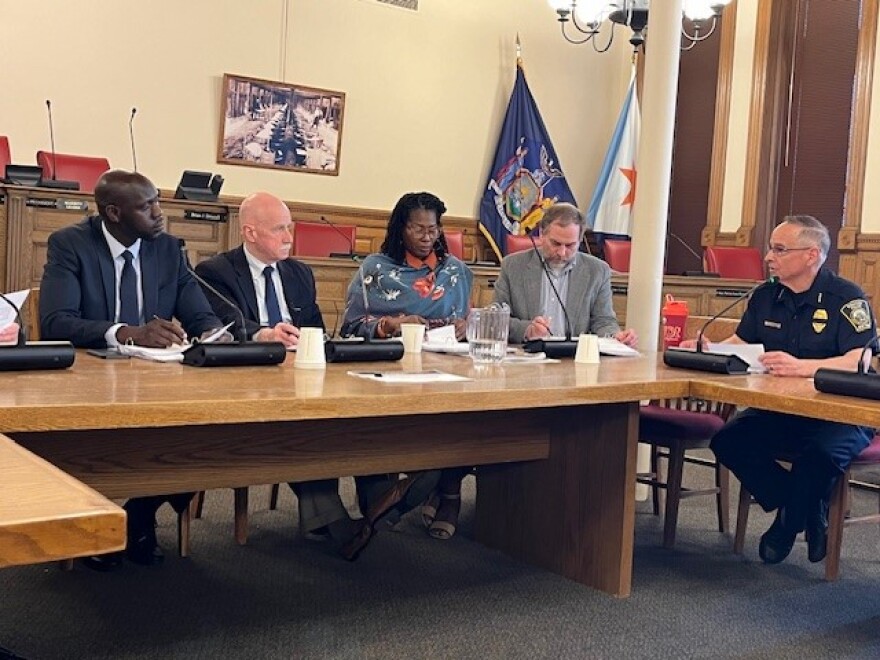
(363, 534)
(103, 563)
(817, 533)
(776, 542)
(144, 551)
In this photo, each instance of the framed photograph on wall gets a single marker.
(280, 125)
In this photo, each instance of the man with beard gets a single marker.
(114, 278)
(582, 281)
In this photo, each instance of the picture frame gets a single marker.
(278, 125)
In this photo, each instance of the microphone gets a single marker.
(719, 363)
(134, 160)
(38, 356)
(552, 349)
(692, 273)
(363, 349)
(860, 384)
(52, 139)
(337, 255)
(241, 353)
(55, 182)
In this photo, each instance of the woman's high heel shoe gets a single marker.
(446, 517)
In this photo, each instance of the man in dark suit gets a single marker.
(114, 278)
(276, 294)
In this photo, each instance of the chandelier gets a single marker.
(589, 16)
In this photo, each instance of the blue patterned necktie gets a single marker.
(272, 308)
(128, 298)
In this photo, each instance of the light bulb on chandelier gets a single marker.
(588, 17)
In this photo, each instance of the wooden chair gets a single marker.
(671, 428)
(737, 263)
(837, 511)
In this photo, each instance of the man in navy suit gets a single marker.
(114, 278)
(276, 294)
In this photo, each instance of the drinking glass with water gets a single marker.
(487, 329)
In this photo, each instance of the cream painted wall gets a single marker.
(738, 128)
(426, 91)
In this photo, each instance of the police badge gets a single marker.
(858, 314)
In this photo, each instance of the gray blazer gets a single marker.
(588, 301)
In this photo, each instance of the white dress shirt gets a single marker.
(116, 250)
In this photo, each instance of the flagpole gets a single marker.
(655, 163)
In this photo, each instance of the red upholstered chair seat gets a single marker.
(455, 242)
(520, 243)
(5, 154)
(315, 240)
(617, 254)
(659, 424)
(84, 169)
(738, 263)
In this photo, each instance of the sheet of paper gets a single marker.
(527, 358)
(7, 313)
(173, 353)
(398, 377)
(216, 334)
(748, 352)
(443, 335)
(610, 346)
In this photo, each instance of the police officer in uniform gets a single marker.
(808, 319)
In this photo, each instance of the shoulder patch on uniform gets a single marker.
(858, 314)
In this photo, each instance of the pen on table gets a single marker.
(377, 374)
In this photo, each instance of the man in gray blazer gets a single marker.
(582, 281)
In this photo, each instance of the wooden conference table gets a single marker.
(557, 442)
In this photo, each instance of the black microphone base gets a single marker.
(363, 351)
(552, 349)
(235, 355)
(847, 383)
(59, 184)
(55, 355)
(715, 363)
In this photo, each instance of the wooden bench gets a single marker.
(46, 515)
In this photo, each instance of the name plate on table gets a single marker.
(211, 216)
(57, 203)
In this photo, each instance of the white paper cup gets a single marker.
(587, 350)
(310, 349)
(413, 335)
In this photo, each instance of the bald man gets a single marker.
(276, 294)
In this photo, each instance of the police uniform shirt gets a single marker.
(829, 319)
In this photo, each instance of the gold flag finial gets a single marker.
(518, 51)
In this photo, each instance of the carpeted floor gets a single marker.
(409, 596)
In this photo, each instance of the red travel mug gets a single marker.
(675, 315)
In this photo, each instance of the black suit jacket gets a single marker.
(230, 274)
(78, 290)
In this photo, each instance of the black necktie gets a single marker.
(128, 297)
(272, 308)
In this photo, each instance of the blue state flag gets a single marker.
(526, 176)
(611, 207)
